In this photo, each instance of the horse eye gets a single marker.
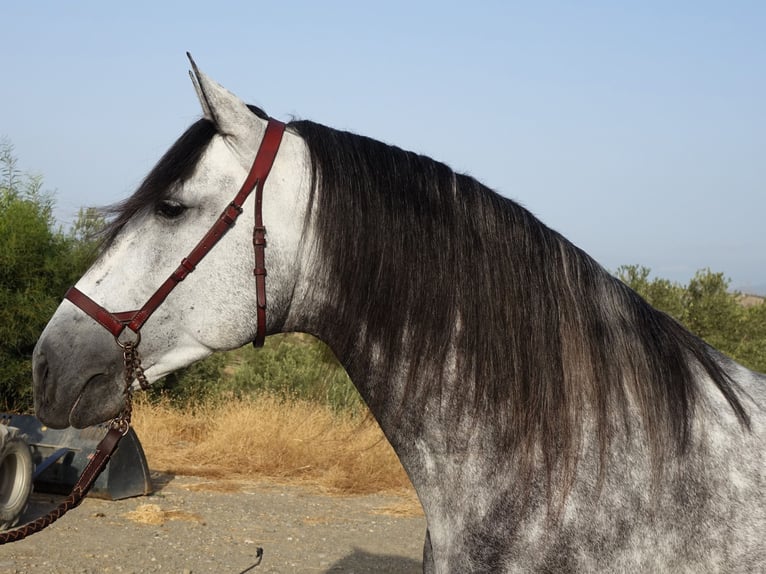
(170, 209)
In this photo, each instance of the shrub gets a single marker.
(709, 310)
(37, 264)
(289, 366)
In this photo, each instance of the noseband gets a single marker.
(116, 323)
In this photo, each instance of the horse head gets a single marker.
(78, 364)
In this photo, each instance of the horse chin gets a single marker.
(97, 403)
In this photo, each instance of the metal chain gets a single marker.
(134, 371)
(133, 368)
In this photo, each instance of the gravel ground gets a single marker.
(191, 526)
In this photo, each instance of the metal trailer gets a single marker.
(35, 457)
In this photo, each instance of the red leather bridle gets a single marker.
(116, 323)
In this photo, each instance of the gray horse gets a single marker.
(548, 417)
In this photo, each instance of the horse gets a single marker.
(550, 419)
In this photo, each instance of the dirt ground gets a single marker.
(192, 526)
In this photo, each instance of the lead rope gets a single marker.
(118, 428)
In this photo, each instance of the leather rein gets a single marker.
(117, 323)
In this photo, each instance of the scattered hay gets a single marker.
(153, 514)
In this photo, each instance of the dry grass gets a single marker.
(271, 439)
(153, 514)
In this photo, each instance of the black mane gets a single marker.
(424, 260)
(543, 333)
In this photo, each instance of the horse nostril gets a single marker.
(41, 385)
(39, 367)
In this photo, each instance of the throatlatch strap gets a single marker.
(267, 153)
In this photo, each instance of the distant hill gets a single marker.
(749, 300)
(758, 290)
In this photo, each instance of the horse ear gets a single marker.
(230, 115)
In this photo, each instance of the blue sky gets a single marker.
(637, 130)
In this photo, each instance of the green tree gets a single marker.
(709, 310)
(751, 343)
(37, 264)
(712, 312)
(84, 239)
(660, 293)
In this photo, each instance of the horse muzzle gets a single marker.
(77, 381)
